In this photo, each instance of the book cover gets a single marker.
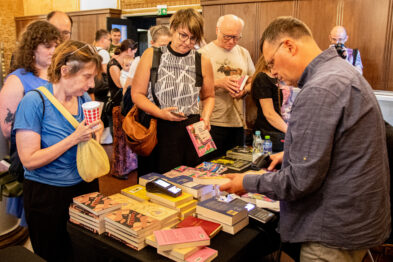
(136, 192)
(210, 228)
(181, 237)
(202, 177)
(123, 199)
(231, 163)
(211, 167)
(180, 253)
(187, 184)
(240, 152)
(204, 254)
(221, 211)
(96, 203)
(131, 221)
(149, 177)
(79, 210)
(201, 138)
(242, 81)
(171, 201)
(262, 201)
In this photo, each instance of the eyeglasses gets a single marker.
(184, 37)
(270, 64)
(229, 37)
(65, 33)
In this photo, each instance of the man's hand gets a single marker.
(276, 159)
(236, 184)
(229, 83)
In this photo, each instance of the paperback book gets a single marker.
(137, 192)
(96, 203)
(201, 138)
(211, 228)
(181, 238)
(231, 163)
(240, 152)
(242, 81)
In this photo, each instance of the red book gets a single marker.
(242, 82)
(210, 228)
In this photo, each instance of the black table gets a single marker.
(252, 242)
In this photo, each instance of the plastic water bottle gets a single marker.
(257, 145)
(267, 146)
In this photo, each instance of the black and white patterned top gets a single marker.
(175, 86)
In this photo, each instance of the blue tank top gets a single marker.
(28, 79)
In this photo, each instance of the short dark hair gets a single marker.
(51, 14)
(115, 30)
(128, 43)
(285, 26)
(100, 34)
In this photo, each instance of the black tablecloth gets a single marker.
(252, 242)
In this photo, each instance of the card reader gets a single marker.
(159, 185)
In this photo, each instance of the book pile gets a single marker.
(240, 152)
(185, 204)
(167, 217)
(130, 227)
(199, 175)
(262, 201)
(88, 211)
(184, 244)
(232, 163)
(232, 218)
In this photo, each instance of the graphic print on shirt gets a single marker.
(227, 69)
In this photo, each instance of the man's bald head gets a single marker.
(229, 31)
(338, 35)
(62, 22)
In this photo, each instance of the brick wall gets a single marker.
(9, 9)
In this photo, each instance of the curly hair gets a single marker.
(74, 54)
(38, 32)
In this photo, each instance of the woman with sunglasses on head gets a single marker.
(123, 159)
(47, 147)
(179, 85)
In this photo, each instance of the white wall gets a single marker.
(97, 4)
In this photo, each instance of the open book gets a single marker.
(242, 82)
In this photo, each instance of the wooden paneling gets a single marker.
(366, 24)
(133, 4)
(210, 15)
(388, 76)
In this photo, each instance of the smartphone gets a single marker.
(179, 114)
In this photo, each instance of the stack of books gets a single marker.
(199, 175)
(130, 227)
(88, 211)
(167, 217)
(137, 192)
(262, 201)
(184, 244)
(240, 152)
(184, 203)
(188, 185)
(232, 163)
(232, 218)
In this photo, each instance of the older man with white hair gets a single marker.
(338, 36)
(230, 62)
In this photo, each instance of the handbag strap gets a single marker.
(59, 106)
(154, 73)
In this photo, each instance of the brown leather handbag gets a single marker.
(141, 128)
(140, 139)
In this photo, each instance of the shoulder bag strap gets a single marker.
(154, 72)
(355, 56)
(59, 106)
(198, 69)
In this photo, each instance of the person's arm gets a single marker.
(114, 72)
(139, 88)
(271, 115)
(207, 90)
(10, 96)
(33, 156)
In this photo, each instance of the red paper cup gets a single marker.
(91, 111)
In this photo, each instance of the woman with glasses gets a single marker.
(184, 76)
(123, 159)
(47, 147)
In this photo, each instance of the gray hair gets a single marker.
(285, 26)
(221, 18)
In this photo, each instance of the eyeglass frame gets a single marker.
(228, 38)
(270, 64)
(186, 37)
(65, 33)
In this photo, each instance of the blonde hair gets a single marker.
(159, 30)
(74, 54)
(190, 19)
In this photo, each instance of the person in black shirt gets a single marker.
(268, 97)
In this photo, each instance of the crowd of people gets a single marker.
(328, 164)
